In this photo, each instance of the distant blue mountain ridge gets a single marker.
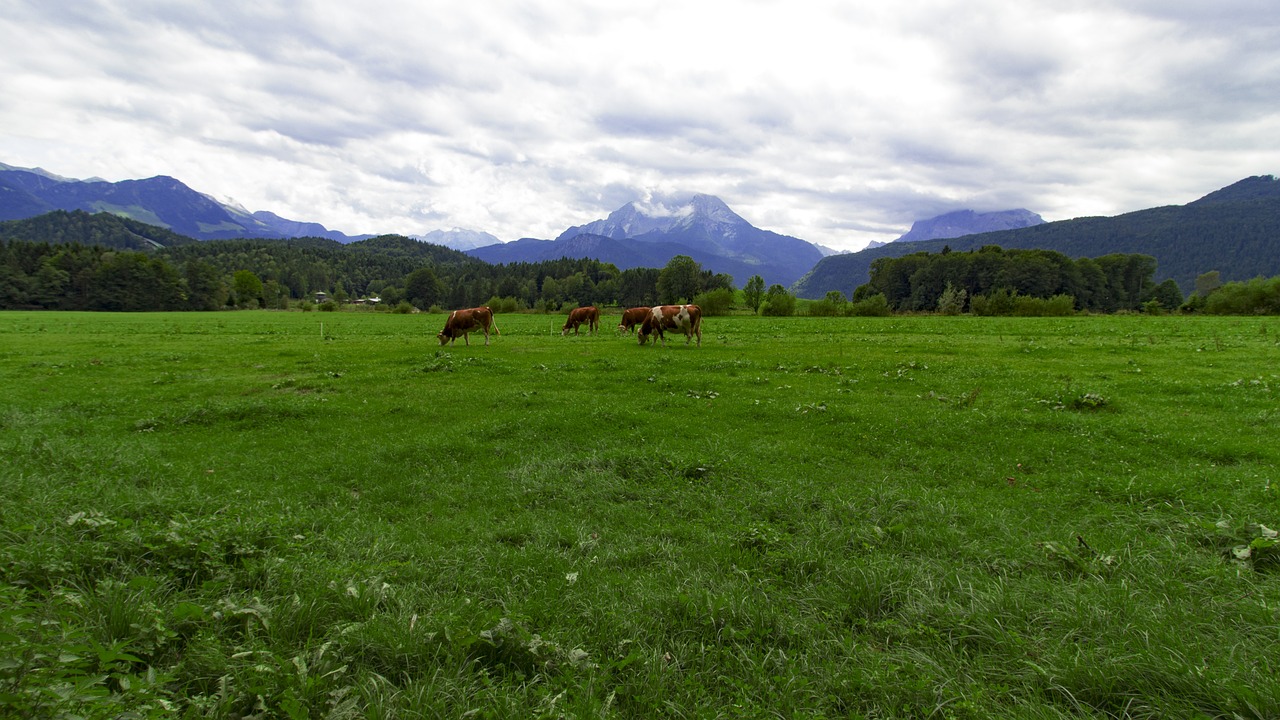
(967, 222)
(162, 201)
(1232, 230)
(639, 234)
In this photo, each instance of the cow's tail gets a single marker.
(493, 320)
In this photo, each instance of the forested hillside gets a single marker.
(105, 229)
(77, 261)
(303, 266)
(1235, 231)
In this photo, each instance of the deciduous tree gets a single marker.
(753, 292)
(778, 302)
(422, 288)
(680, 280)
(246, 287)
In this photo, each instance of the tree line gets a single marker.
(78, 261)
(397, 270)
(946, 281)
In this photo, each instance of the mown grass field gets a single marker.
(299, 515)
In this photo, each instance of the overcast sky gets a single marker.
(835, 122)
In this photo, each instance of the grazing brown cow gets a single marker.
(632, 317)
(686, 319)
(589, 316)
(462, 322)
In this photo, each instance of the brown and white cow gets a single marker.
(632, 317)
(685, 319)
(589, 316)
(462, 322)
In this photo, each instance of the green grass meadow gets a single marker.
(327, 515)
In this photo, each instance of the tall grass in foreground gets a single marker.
(328, 515)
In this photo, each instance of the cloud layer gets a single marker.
(824, 120)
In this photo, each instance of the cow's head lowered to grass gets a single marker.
(685, 319)
(632, 318)
(589, 316)
(462, 322)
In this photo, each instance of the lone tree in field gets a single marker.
(754, 293)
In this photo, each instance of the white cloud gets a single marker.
(834, 122)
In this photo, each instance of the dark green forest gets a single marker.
(106, 229)
(77, 261)
(923, 281)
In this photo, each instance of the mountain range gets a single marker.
(1235, 230)
(639, 234)
(649, 233)
(457, 238)
(161, 201)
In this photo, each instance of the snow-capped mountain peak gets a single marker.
(703, 227)
(662, 214)
(458, 238)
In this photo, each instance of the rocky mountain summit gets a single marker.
(649, 232)
(967, 222)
